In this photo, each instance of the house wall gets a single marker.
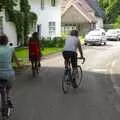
(83, 28)
(46, 15)
(9, 29)
(99, 23)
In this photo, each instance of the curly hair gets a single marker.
(3, 39)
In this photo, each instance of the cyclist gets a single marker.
(7, 54)
(70, 51)
(35, 50)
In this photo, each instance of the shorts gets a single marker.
(7, 83)
(9, 77)
(72, 56)
(34, 58)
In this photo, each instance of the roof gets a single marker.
(88, 5)
(82, 7)
(95, 5)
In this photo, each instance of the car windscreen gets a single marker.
(112, 32)
(94, 33)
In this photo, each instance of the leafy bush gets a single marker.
(55, 42)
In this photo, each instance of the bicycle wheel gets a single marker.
(34, 72)
(78, 76)
(66, 83)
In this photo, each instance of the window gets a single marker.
(39, 29)
(1, 25)
(53, 3)
(42, 4)
(52, 29)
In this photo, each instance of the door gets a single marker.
(39, 29)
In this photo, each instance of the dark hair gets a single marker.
(35, 36)
(3, 40)
(11, 44)
(74, 33)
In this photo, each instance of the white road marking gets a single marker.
(115, 85)
(113, 63)
(99, 70)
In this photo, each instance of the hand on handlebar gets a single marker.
(83, 58)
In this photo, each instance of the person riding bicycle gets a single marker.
(7, 54)
(72, 43)
(35, 50)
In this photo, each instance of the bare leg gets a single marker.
(66, 64)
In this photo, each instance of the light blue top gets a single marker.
(6, 70)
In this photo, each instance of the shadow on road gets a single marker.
(34, 96)
(51, 77)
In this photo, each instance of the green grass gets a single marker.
(23, 55)
(23, 52)
(82, 40)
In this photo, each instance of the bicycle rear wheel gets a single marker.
(79, 76)
(66, 83)
(34, 73)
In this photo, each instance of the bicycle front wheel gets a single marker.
(79, 76)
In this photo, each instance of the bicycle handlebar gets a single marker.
(82, 59)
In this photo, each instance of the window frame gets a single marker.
(1, 25)
(53, 3)
(42, 4)
(52, 27)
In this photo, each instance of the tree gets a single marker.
(22, 19)
(112, 9)
(25, 9)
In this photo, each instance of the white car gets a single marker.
(113, 34)
(96, 37)
(118, 31)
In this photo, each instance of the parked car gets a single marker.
(113, 34)
(118, 31)
(95, 37)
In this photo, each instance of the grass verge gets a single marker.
(23, 55)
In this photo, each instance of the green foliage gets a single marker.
(55, 42)
(117, 23)
(112, 9)
(24, 6)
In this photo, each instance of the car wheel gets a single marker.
(117, 39)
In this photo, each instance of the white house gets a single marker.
(49, 16)
(80, 14)
(8, 28)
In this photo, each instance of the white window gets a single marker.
(1, 25)
(52, 28)
(53, 3)
(42, 4)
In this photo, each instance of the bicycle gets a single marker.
(5, 106)
(71, 76)
(35, 68)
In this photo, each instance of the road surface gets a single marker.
(96, 99)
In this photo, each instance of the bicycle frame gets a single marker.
(35, 67)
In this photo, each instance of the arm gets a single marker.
(80, 49)
(15, 59)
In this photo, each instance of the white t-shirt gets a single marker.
(71, 44)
